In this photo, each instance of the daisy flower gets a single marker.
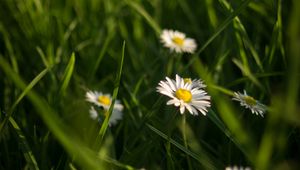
(250, 103)
(185, 94)
(177, 41)
(104, 101)
(237, 168)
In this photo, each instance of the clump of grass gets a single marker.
(52, 52)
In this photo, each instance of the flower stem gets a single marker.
(185, 140)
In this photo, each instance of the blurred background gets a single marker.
(52, 52)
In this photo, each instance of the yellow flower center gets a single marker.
(250, 100)
(184, 95)
(187, 80)
(104, 100)
(177, 40)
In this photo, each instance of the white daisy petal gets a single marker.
(93, 113)
(237, 168)
(182, 109)
(104, 101)
(171, 84)
(250, 103)
(177, 41)
(185, 94)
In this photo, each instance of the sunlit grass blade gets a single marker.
(229, 19)
(22, 95)
(259, 75)
(27, 152)
(104, 126)
(144, 13)
(82, 154)
(218, 122)
(221, 89)
(42, 55)
(235, 132)
(117, 163)
(285, 107)
(64, 39)
(67, 74)
(232, 122)
(277, 37)
(243, 36)
(247, 73)
(200, 158)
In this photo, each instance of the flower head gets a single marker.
(104, 101)
(237, 168)
(250, 103)
(176, 41)
(185, 94)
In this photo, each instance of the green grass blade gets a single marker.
(242, 34)
(68, 74)
(101, 54)
(221, 89)
(23, 94)
(82, 154)
(27, 152)
(199, 158)
(232, 127)
(218, 31)
(104, 126)
(144, 13)
(212, 15)
(9, 47)
(247, 72)
(43, 57)
(218, 122)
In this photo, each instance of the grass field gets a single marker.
(55, 55)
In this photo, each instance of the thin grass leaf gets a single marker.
(67, 75)
(247, 73)
(104, 126)
(144, 13)
(187, 10)
(242, 35)
(259, 75)
(217, 121)
(117, 163)
(23, 94)
(276, 39)
(108, 39)
(233, 129)
(207, 164)
(265, 149)
(82, 154)
(221, 60)
(221, 89)
(27, 152)
(43, 57)
(9, 47)
(280, 32)
(229, 19)
(291, 106)
(138, 85)
(211, 11)
(69, 31)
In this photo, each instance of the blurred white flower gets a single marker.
(237, 168)
(104, 101)
(177, 41)
(93, 113)
(185, 94)
(250, 103)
